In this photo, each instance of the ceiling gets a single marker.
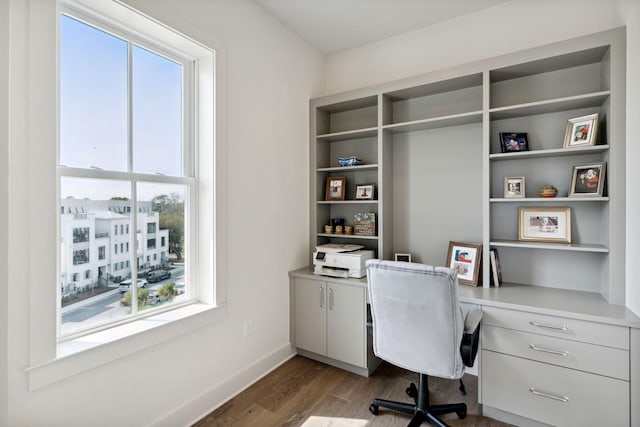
(337, 25)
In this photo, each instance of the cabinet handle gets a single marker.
(549, 395)
(321, 297)
(330, 298)
(542, 325)
(563, 353)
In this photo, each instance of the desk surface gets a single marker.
(556, 302)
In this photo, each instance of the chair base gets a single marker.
(421, 410)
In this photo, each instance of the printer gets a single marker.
(341, 260)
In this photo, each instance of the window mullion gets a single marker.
(133, 236)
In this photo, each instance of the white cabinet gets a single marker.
(329, 322)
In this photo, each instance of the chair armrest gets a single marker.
(471, 337)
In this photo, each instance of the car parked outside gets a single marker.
(155, 298)
(158, 275)
(126, 284)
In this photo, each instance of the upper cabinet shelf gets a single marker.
(349, 134)
(350, 119)
(550, 106)
(550, 153)
(436, 122)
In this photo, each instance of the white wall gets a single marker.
(502, 29)
(270, 76)
(4, 191)
(633, 157)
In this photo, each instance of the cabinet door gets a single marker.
(310, 315)
(346, 323)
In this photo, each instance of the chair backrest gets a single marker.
(417, 319)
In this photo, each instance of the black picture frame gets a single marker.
(513, 142)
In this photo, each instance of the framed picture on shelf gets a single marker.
(513, 187)
(513, 141)
(364, 192)
(403, 257)
(588, 180)
(335, 188)
(465, 259)
(545, 225)
(581, 131)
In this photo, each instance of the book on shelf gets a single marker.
(496, 274)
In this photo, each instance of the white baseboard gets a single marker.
(192, 411)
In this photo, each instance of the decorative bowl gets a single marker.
(548, 191)
(349, 161)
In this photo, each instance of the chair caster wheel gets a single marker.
(412, 391)
(462, 414)
(373, 409)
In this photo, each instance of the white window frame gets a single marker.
(50, 360)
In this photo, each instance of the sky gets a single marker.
(94, 110)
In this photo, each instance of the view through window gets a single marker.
(126, 180)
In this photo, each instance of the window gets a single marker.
(140, 162)
(87, 274)
(162, 242)
(80, 235)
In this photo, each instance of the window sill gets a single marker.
(90, 351)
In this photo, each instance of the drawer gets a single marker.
(552, 394)
(562, 327)
(597, 359)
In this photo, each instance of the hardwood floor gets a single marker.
(303, 392)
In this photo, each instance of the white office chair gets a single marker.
(418, 325)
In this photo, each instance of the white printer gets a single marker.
(341, 260)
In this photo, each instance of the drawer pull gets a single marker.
(548, 395)
(542, 325)
(548, 350)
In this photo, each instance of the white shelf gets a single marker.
(550, 106)
(372, 166)
(347, 236)
(573, 247)
(347, 202)
(436, 122)
(349, 135)
(548, 199)
(555, 152)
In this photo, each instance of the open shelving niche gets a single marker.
(420, 137)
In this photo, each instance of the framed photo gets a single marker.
(465, 259)
(335, 188)
(403, 257)
(513, 141)
(545, 225)
(496, 272)
(513, 187)
(588, 180)
(581, 131)
(364, 192)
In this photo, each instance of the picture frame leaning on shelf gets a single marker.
(588, 180)
(581, 131)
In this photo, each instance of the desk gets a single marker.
(601, 373)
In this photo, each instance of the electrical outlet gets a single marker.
(248, 328)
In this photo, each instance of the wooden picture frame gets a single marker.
(365, 192)
(588, 180)
(335, 188)
(513, 142)
(581, 131)
(465, 258)
(544, 224)
(513, 187)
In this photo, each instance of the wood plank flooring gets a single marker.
(303, 392)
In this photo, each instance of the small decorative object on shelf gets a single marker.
(545, 225)
(513, 187)
(349, 161)
(513, 141)
(348, 229)
(496, 273)
(403, 257)
(335, 188)
(339, 229)
(328, 229)
(465, 259)
(548, 191)
(364, 192)
(364, 224)
(581, 131)
(588, 180)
